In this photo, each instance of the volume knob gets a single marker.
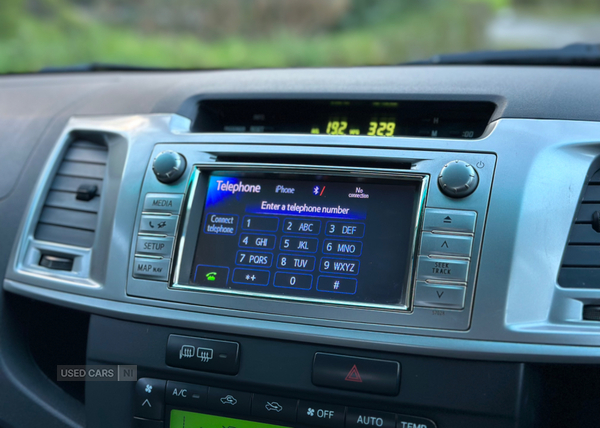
(458, 179)
(169, 166)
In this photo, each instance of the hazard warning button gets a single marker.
(356, 373)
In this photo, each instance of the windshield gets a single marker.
(195, 34)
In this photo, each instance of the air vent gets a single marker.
(67, 218)
(581, 261)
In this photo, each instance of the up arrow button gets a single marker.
(149, 398)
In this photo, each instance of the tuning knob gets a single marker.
(169, 166)
(458, 179)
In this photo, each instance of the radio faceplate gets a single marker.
(437, 285)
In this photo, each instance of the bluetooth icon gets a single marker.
(316, 190)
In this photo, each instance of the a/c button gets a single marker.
(325, 415)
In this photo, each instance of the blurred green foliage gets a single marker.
(241, 33)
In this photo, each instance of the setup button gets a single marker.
(325, 415)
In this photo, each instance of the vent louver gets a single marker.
(64, 218)
(581, 261)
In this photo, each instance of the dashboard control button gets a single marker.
(451, 245)
(276, 408)
(414, 422)
(359, 418)
(157, 270)
(442, 269)
(458, 179)
(299, 281)
(325, 415)
(208, 355)
(251, 276)
(149, 398)
(211, 276)
(186, 394)
(440, 295)
(169, 166)
(147, 423)
(154, 246)
(229, 401)
(450, 220)
(162, 225)
(330, 284)
(163, 203)
(356, 373)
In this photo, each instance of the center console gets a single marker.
(393, 246)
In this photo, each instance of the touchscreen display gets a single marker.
(327, 239)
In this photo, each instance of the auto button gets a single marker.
(358, 418)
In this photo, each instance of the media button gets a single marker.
(186, 394)
(276, 408)
(265, 224)
(358, 418)
(305, 245)
(325, 415)
(264, 242)
(345, 229)
(298, 281)
(330, 284)
(228, 401)
(251, 258)
(296, 262)
(292, 225)
(342, 248)
(251, 276)
(163, 203)
(211, 276)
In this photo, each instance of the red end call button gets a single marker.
(356, 374)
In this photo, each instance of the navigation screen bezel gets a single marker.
(195, 199)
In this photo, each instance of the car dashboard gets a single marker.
(397, 247)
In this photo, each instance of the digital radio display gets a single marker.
(327, 239)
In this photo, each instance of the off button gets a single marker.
(325, 415)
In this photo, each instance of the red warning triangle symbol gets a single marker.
(354, 375)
